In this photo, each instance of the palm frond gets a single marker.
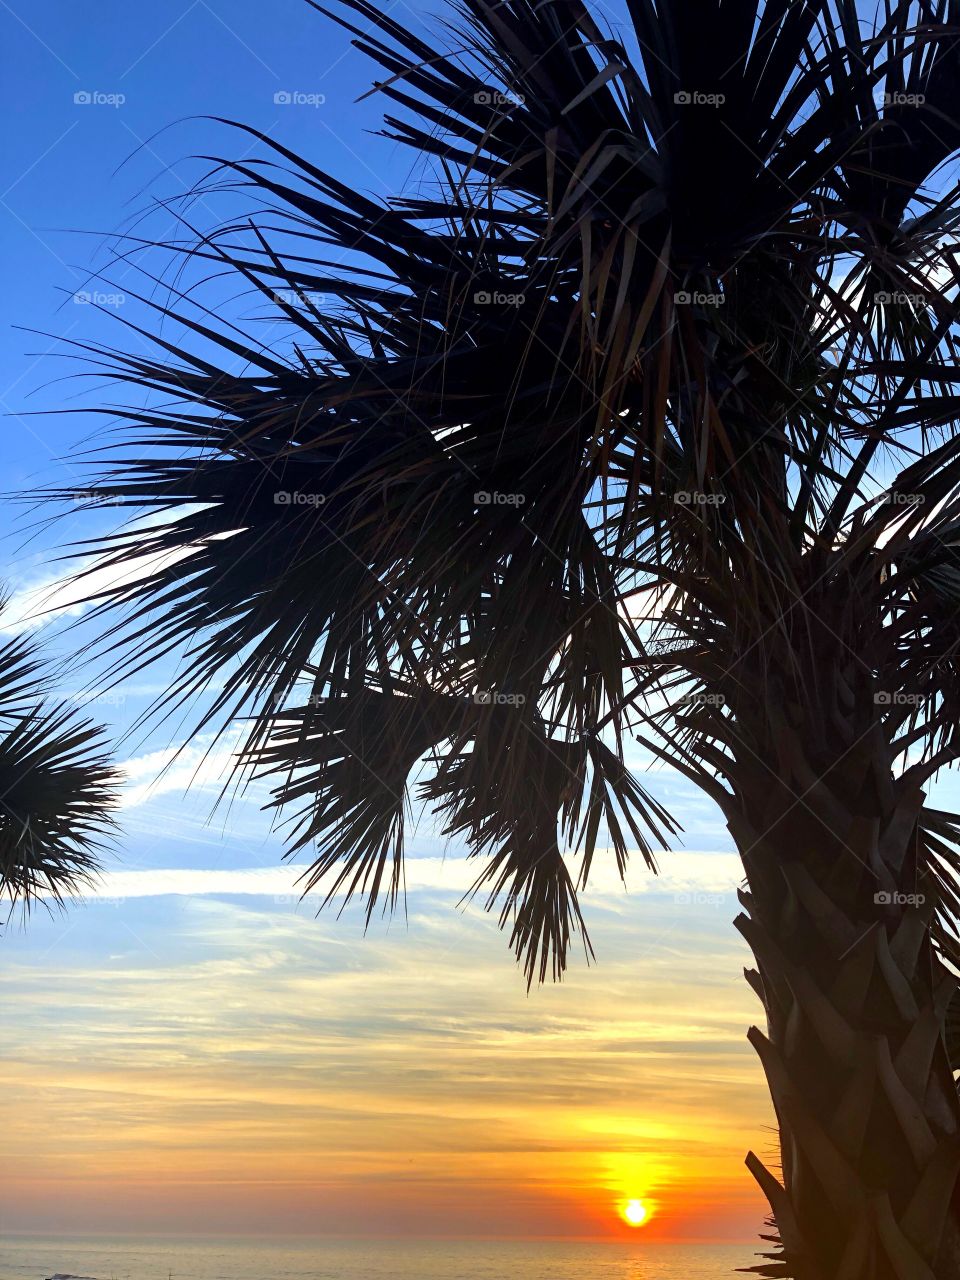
(57, 786)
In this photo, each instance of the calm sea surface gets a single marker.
(22, 1258)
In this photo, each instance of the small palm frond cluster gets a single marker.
(57, 787)
(639, 420)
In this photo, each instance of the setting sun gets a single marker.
(635, 1212)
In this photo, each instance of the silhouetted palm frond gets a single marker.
(667, 304)
(57, 787)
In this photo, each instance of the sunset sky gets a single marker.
(219, 1060)
(192, 1051)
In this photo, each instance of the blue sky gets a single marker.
(78, 172)
(89, 167)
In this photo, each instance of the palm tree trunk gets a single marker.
(855, 998)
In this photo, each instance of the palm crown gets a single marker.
(643, 343)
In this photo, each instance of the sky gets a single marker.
(190, 1049)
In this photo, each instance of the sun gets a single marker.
(635, 1213)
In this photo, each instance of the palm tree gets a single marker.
(57, 787)
(637, 422)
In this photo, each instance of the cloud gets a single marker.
(694, 875)
(66, 593)
(229, 1058)
(203, 763)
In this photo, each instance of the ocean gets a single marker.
(23, 1258)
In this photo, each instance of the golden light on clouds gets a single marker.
(237, 1069)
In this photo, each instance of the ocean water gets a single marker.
(23, 1258)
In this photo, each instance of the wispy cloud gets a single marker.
(684, 874)
(65, 593)
(202, 763)
(55, 596)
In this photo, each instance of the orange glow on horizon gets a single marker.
(218, 1095)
